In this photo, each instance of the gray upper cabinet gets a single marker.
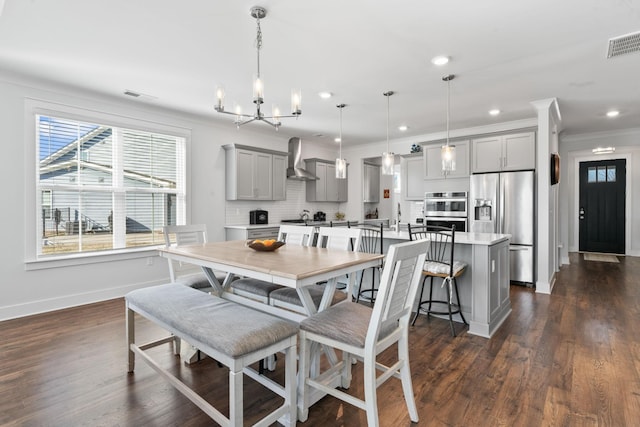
(504, 152)
(254, 173)
(413, 176)
(280, 176)
(371, 183)
(433, 160)
(327, 188)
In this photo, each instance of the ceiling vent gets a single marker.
(624, 44)
(132, 93)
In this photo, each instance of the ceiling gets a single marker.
(504, 53)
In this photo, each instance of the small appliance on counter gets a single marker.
(319, 216)
(258, 217)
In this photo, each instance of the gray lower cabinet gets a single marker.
(491, 306)
(327, 188)
(254, 173)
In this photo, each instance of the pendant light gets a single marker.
(388, 159)
(448, 152)
(341, 164)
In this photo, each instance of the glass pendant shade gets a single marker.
(388, 161)
(341, 164)
(341, 169)
(448, 154)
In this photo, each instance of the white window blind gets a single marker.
(105, 188)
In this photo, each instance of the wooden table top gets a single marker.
(288, 261)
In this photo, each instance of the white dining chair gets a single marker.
(339, 238)
(178, 235)
(364, 332)
(261, 290)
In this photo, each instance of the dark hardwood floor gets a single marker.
(569, 359)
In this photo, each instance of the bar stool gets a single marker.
(440, 263)
(372, 243)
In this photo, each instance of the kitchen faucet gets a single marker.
(304, 215)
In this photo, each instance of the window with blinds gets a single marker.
(105, 188)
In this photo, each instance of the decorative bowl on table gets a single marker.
(267, 245)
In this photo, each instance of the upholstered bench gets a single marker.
(232, 334)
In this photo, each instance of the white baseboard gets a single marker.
(58, 303)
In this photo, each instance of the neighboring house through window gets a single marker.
(103, 187)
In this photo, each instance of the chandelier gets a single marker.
(258, 90)
(448, 152)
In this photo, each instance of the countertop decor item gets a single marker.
(416, 148)
(339, 215)
(267, 245)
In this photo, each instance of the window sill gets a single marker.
(86, 259)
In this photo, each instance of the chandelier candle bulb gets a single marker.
(258, 90)
(296, 102)
(220, 98)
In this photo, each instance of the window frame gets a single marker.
(33, 202)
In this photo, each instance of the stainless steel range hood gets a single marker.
(295, 169)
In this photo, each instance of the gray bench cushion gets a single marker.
(255, 286)
(347, 322)
(225, 326)
(290, 295)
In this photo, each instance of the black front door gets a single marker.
(602, 206)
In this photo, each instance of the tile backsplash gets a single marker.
(237, 212)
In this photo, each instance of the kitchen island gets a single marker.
(484, 286)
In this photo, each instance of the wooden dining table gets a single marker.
(290, 265)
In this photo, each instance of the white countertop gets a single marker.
(461, 237)
(253, 226)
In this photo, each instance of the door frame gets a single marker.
(627, 196)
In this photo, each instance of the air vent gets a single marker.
(624, 44)
(131, 93)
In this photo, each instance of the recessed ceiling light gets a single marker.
(613, 113)
(403, 128)
(440, 60)
(494, 112)
(325, 95)
(337, 139)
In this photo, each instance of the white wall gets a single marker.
(577, 148)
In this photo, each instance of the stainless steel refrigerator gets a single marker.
(504, 203)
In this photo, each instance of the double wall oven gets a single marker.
(446, 209)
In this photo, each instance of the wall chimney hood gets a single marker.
(295, 169)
